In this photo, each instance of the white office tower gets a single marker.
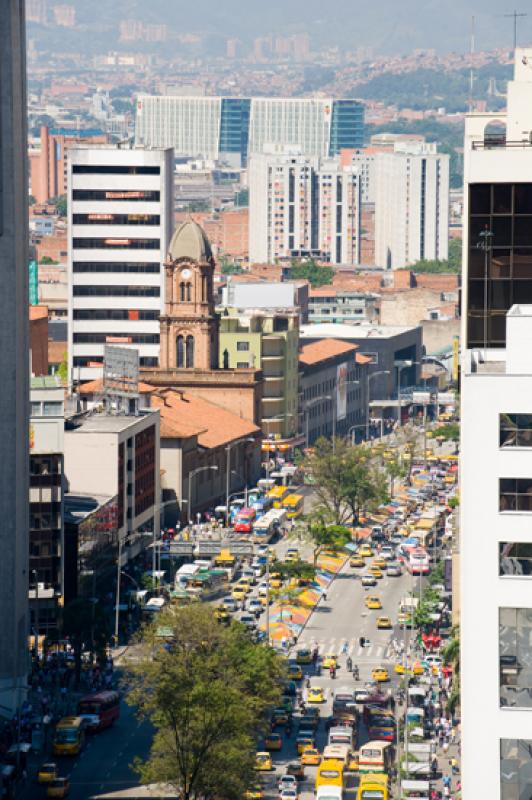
(411, 205)
(303, 207)
(496, 465)
(120, 216)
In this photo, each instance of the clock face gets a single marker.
(185, 273)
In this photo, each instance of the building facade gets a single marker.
(120, 222)
(303, 207)
(411, 205)
(266, 339)
(327, 304)
(46, 550)
(14, 355)
(230, 129)
(496, 460)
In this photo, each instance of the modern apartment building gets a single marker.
(330, 304)
(120, 222)
(411, 205)
(303, 207)
(496, 465)
(266, 339)
(230, 128)
(14, 357)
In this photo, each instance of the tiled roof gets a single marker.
(362, 359)
(325, 349)
(38, 312)
(184, 414)
(96, 387)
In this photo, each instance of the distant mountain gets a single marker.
(387, 26)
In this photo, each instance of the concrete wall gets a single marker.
(438, 335)
(14, 355)
(409, 307)
(91, 462)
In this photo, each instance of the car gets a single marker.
(288, 794)
(59, 787)
(393, 569)
(255, 606)
(256, 793)
(373, 602)
(313, 712)
(292, 554)
(384, 623)
(262, 549)
(273, 741)
(47, 772)
(279, 716)
(303, 656)
(296, 769)
(249, 576)
(249, 620)
(275, 581)
(309, 722)
(356, 561)
(245, 584)
(258, 571)
(379, 562)
(230, 604)
(369, 580)
(302, 742)
(315, 695)
(404, 619)
(329, 660)
(380, 674)
(263, 762)
(239, 593)
(310, 757)
(361, 695)
(376, 572)
(386, 552)
(287, 782)
(222, 614)
(295, 672)
(365, 551)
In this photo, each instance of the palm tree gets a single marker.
(451, 655)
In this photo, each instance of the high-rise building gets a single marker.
(120, 206)
(65, 16)
(37, 11)
(14, 356)
(229, 128)
(496, 460)
(411, 205)
(301, 206)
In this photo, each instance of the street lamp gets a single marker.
(192, 475)
(370, 376)
(228, 474)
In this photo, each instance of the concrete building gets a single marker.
(46, 549)
(333, 390)
(262, 294)
(39, 340)
(120, 223)
(303, 207)
(330, 304)
(231, 128)
(411, 205)
(14, 356)
(496, 460)
(266, 339)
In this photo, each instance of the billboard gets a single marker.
(341, 391)
(120, 371)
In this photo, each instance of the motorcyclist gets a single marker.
(355, 672)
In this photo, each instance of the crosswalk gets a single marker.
(374, 651)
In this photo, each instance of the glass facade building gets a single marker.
(347, 126)
(234, 127)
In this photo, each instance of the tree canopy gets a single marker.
(309, 271)
(206, 689)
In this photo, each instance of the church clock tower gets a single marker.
(189, 326)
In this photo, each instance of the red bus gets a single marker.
(103, 705)
(244, 520)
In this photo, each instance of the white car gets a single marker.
(230, 604)
(255, 606)
(288, 794)
(262, 591)
(369, 580)
(287, 782)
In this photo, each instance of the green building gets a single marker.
(268, 340)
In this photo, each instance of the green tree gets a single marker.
(451, 656)
(395, 469)
(62, 370)
(230, 267)
(449, 432)
(31, 200)
(308, 270)
(325, 537)
(206, 693)
(294, 569)
(60, 203)
(48, 260)
(455, 255)
(86, 626)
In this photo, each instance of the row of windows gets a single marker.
(131, 314)
(116, 291)
(116, 219)
(146, 195)
(119, 266)
(113, 243)
(97, 361)
(114, 169)
(102, 338)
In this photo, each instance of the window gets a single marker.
(515, 667)
(108, 194)
(180, 351)
(51, 409)
(515, 430)
(242, 346)
(190, 351)
(116, 219)
(182, 292)
(515, 558)
(99, 266)
(116, 291)
(516, 774)
(113, 169)
(242, 365)
(35, 409)
(189, 292)
(114, 243)
(515, 494)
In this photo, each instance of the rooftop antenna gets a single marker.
(515, 15)
(471, 76)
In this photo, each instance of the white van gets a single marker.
(329, 793)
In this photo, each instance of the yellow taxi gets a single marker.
(379, 562)
(295, 673)
(417, 669)
(221, 614)
(263, 762)
(239, 593)
(292, 555)
(47, 772)
(384, 623)
(380, 674)
(365, 551)
(59, 787)
(303, 742)
(273, 741)
(353, 762)
(275, 580)
(373, 602)
(256, 793)
(303, 656)
(245, 583)
(310, 757)
(357, 561)
(329, 660)
(315, 695)
(375, 571)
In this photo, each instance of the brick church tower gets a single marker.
(189, 326)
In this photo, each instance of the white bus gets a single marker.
(417, 562)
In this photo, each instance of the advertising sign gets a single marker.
(341, 391)
(120, 371)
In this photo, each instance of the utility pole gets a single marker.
(515, 15)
